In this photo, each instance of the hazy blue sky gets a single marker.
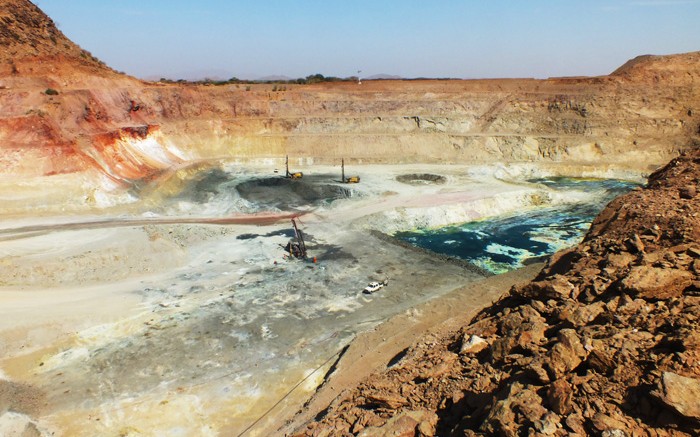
(439, 38)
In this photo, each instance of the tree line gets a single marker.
(314, 78)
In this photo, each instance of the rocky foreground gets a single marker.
(605, 341)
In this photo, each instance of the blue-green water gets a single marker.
(504, 243)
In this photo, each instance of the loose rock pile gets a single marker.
(605, 341)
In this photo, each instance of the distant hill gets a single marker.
(275, 78)
(383, 77)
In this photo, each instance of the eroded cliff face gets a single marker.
(61, 111)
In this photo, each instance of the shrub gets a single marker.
(51, 92)
(37, 112)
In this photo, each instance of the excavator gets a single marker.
(294, 175)
(296, 247)
(351, 179)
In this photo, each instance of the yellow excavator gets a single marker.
(351, 179)
(297, 247)
(294, 175)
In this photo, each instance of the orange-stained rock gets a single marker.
(560, 394)
(681, 393)
(657, 283)
(405, 424)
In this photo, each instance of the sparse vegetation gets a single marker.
(311, 79)
(37, 112)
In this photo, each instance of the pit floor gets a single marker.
(163, 323)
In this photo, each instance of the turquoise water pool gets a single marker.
(504, 243)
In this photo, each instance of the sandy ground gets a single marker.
(151, 324)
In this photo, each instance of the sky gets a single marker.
(250, 39)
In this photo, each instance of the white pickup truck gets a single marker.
(374, 286)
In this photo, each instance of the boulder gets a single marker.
(501, 347)
(688, 192)
(619, 260)
(521, 403)
(611, 425)
(365, 419)
(537, 372)
(613, 433)
(419, 423)
(525, 325)
(549, 424)
(681, 393)
(443, 365)
(566, 354)
(559, 395)
(472, 344)
(656, 283)
(635, 244)
(602, 361)
(557, 287)
(582, 315)
(575, 422)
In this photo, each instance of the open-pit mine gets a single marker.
(152, 278)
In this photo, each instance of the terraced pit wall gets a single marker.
(606, 123)
(63, 112)
(627, 121)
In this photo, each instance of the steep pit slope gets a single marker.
(605, 341)
(66, 119)
(51, 98)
